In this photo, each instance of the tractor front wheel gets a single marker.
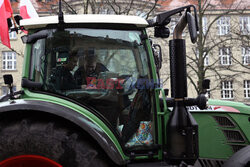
(33, 141)
(29, 161)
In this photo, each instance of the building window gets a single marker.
(5, 90)
(245, 25)
(204, 24)
(208, 93)
(246, 86)
(206, 60)
(205, 56)
(141, 14)
(246, 55)
(227, 90)
(172, 24)
(12, 34)
(105, 10)
(9, 60)
(223, 25)
(44, 0)
(225, 56)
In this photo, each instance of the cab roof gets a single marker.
(89, 18)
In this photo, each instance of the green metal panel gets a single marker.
(26, 61)
(158, 109)
(212, 141)
(243, 123)
(43, 97)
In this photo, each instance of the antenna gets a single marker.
(60, 14)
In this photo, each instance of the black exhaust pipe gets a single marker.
(182, 129)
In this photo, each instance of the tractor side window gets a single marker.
(38, 54)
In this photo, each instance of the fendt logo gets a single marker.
(214, 108)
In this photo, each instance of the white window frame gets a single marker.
(204, 24)
(141, 14)
(172, 24)
(223, 25)
(5, 89)
(12, 34)
(107, 11)
(9, 60)
(245, 55)
(246, 86)
(225, 56)
(245, 25)
(227, 91)
(206, 58)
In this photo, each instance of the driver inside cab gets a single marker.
(61, 77)
(88, 67)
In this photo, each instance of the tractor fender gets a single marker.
(83, 122)
(240, 159)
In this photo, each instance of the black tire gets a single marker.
(240, 158)
(55, 140)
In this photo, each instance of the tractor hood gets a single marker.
(224, 106)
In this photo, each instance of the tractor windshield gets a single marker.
(100, 68)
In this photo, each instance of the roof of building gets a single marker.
(213, 4)
(40, 6)
(89, 18)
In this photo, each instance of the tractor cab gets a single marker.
(104, 68)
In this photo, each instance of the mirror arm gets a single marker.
(162, 19)
(178, 30)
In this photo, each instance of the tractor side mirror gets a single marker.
(9, 23)
(8, 79)
(34, 37)
(162, 32)
(192, 28)
(17, 19)
(206, 84)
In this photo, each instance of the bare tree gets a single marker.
(219, 34)
(217, 53)
(119, 7)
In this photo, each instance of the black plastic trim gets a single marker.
(95, 26)
(226, 123)
(240, 158)
(207, 162)
(86, 124)
(234, 136)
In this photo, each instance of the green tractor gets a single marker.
(91, 96)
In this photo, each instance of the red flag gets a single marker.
(27, 10)
(5, 12)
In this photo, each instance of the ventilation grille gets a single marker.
(237, 147)
(233, 136)
(224, 121)
(209, 163)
